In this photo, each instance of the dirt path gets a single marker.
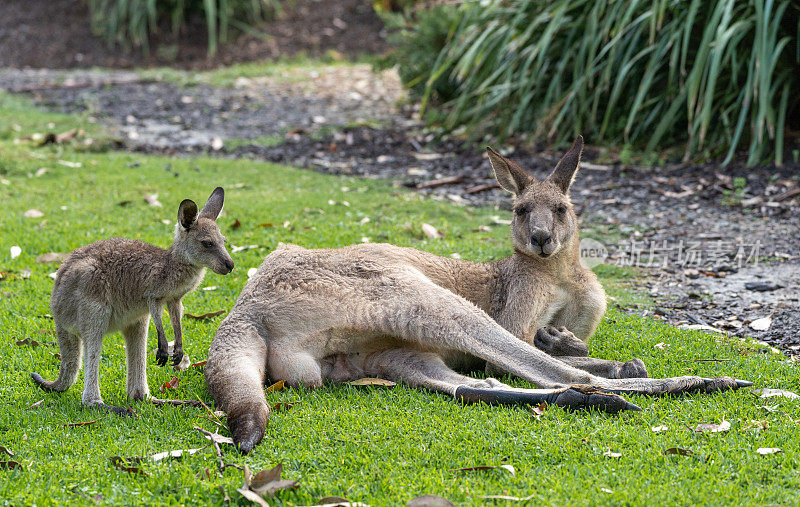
(719, 247)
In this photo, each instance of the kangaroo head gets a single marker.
(197, 236)
(544, 221)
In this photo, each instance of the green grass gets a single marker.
(378, 446)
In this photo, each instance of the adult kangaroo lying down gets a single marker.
(380, 310)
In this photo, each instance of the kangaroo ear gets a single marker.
(564, 173)
(213, 206)
(187, 213)
(509, 174)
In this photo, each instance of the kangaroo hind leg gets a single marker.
(135, 337)
(70, 347)
(427, 370)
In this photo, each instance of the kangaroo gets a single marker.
(308, 316)
(117, 284)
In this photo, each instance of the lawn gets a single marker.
(380, 446)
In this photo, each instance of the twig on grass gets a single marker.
(215, 444)
(216, 419)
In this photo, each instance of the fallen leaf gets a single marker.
(368, 381)
(199, 364)
(174, 454)
(277, 386)
(508, 498)
(6, 451)
(510, 469)
(33, 213)
(152, 200)
(771, 393)
(51, 257)
(236, 224)
(253, 497)
(205, 316)
(210, 287)
(538, 410)
(713, 428)
(283, 406)
(768, 450)
(660, 345)
(129, 465)
(15, 251)
(9, 465)
(36, 404)
(609, 454)
(759, 425)
(606, 490)
(87, 423)
(430, 501)
(678, 451)
(761, 324)
(220, 439)
(172, 384)
(237, 249)
(431, 231)
(269, 481)
(659, 429)
(26, 341)
(67, 163)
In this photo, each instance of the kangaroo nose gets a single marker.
(229, 265)
(541, 238)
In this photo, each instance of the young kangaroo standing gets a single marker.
(379, 310)
(118, 284)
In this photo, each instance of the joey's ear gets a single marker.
(187, 213)
(213, 206)
(564, 173)
(509, 174)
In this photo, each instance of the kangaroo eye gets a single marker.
(207, 244)
(521, 210)
(561, 209)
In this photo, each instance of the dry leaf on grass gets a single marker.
(253, 497)
(368, 381)
(508, 498)
(610, 454)
(768, 450)
(236, 224)
(220, 439)
(713, 428)
(36, 404)
(16, 251)
(678, 451)
(278, 407)
(508, 468)
(771, 393)
(175, 454)
(33, 213)
(9, 465)
(26, 341)
(172, 384)
(51, 257)
(430, 501)
(152, 200)
(130, 465)
(205, 316)
(269, 481)
(198, 364)
(538, 410)
(277, 386)
(73, 425)
(337, 501)
(6, 451)
(431, 232)
(659, 429)
(660, 345)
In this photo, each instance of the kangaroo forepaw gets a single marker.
(248, 423)
(634, 368)
(559, 341)
(161, 357)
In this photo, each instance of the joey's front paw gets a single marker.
(559, 341)
(161, 357)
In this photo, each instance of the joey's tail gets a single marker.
(71, 352)
(235, 377)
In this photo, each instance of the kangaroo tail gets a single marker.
(235, 377)
(69, 346)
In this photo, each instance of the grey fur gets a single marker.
(379, 310)
(117, 285)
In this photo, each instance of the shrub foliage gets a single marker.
(130, 23)
(712, 76)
